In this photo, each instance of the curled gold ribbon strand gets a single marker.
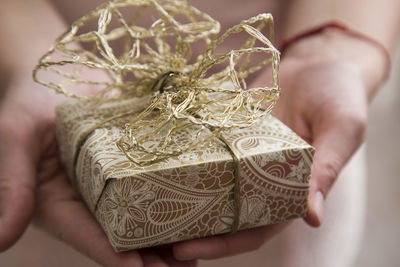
(187, 97)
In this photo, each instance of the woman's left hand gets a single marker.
(326, 83)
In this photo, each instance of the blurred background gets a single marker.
(381, 241)
(382, 232)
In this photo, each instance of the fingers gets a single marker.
(17, 184)
(70, 221)
(163, 257)
(225, 245)
(336, 138)
(151, 259)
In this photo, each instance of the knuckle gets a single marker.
(330, 171)
(16, 128)
(359, 121)
(9, 131)
(22, 187)
(5, 187)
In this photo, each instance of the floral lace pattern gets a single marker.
(190, 195)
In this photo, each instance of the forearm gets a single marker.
(27, 29)
(377, 19)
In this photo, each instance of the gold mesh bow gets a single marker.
(188, 96)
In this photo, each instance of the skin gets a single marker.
(324, 100)
(327, 83)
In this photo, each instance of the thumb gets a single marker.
(17, 183)
(336, 139)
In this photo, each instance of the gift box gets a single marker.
(187, 196)
(173, 144)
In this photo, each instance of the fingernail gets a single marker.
(318, 206)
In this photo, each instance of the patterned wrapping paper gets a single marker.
(187, 196)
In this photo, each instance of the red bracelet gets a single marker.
(340, 26)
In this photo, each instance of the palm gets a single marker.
(325, 104)
(39, 187)
(314, 91)
(61, 212)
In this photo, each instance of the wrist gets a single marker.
(333, 45)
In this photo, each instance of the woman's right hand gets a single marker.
(34, 184)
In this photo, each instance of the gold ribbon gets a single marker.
(188, 96)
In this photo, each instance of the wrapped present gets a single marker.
(173, 145)
(186, 196)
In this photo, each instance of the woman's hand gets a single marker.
(34, 184)
(325, 102)
(326, 83)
